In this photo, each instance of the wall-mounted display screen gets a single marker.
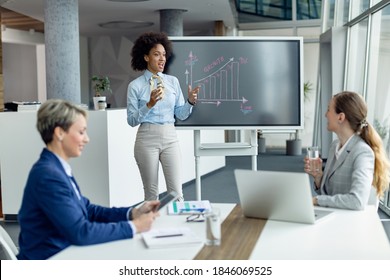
(244, 81)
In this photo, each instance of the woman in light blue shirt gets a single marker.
(153, 101)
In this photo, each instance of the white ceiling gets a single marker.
(198, 20)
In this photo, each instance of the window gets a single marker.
(309, 9)
(280, 10)
(379, 83)
(356, 57)
(359, 7)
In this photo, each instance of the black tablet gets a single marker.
(167, 199)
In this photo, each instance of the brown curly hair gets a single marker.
(144, 44)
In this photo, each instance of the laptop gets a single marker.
(275, 195)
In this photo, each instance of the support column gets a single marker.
(62, 50)
(1, 72)
(171, 21)
(1, 103)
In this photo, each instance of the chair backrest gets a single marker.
(8, 248)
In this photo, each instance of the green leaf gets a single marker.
(101, 84)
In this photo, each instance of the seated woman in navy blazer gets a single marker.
(54, 214)
(357, 162)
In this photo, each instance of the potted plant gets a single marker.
(101, 84)
(307, 89)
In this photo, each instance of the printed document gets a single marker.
(189, 207)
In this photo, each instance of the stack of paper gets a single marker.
(189, 207)
(23, 108)
(170, 237)
(27, 106)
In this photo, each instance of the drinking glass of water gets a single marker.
(213, 227)
(313, 154)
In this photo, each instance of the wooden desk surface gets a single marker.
(239, 237)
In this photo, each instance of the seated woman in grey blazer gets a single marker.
(356, 161)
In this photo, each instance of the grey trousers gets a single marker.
(155, 144)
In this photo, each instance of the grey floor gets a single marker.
(220, 186)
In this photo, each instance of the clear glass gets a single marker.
(330, 12)
(275, 9)
(309, 9)
(248, 6)
(378, 74)
(356, 57)
(213, 227)
(358, 7)
(272, 9)
(343, 12)
(378, 89)
(313, 154)
(373, 2)
(346, 11)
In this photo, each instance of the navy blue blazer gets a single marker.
(52, 217)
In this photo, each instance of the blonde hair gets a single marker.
(355, 109)
(56, 113)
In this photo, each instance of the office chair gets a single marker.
(8, 250)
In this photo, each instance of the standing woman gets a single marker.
(357, 160)
(153, 101)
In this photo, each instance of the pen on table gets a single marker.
(168, 235)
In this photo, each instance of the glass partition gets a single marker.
(359, 7)
(356, 57)
(378, 88)
(280, 10)
(309, 9)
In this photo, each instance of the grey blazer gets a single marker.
(347, 182)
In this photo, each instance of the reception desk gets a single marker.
(106, 172)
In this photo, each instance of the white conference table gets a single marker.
(346, 234)
(351, 235)
(135, 249)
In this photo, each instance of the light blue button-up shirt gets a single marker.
(164, 112)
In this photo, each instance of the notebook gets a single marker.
(170, 237)
(275, 195)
